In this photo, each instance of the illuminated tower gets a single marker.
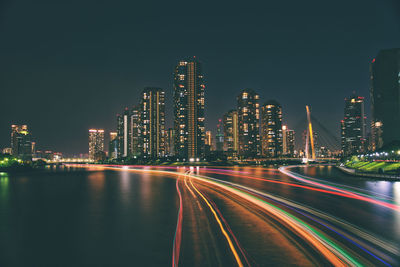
(271, 129)
(136, 132)
(153, 122)
(249, 123)
(231, 133)
(170, 142)
(189, 110)
(219, 137)
(124, 134)
(353, 126)
(290, 142)
(208, 143)
(113, 146)
(96, 142)
(21, 143)
(385, 97)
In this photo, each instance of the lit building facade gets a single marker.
(353, 126)
(96, 142)
(231, 132)
(385, 97)
(153, 122)
(136, 132)
(113, 146)
(189, 110)
(7, 150)
(21, 142)
(288, 141)
(170, 142)
(209, 139)
(248, 108)
(124, 134)
(271, 129)
(208, 143)
(219, 137)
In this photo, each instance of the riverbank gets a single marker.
(377, 176)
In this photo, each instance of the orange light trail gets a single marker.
(228, 239)
(333, 253)
(332, 190)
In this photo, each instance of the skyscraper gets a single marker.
(231, 133)
(353, 126)
(124, 134)
(271, 129)
(209, 139)
(219, 137)
(288, 141)
(96, 142)
(153, 122)
(21, 145)
(113, 146)
(136, 132)
(189, 110)
(249, 123)
(385, 97)
(170, 142)
(208, 147)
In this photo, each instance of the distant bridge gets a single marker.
(66, 160)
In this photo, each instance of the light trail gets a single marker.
(346, 236)
(224, 221)
(331, 251)
(328, 189)
(228, 239)
(324, 245)
(178, 231)
(350, 194)
(324, 183)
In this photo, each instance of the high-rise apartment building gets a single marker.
(219, 137)
(353, 126)
(21, 142)
(288, 143)
(248, 108)
(113, 146)
(209, 143)
(153, 122)
(231, 132)
(96, 142)
(385, 97)
(189, 110)
(209, 139)
(170, 142)
(124, 134)
(136, 132)
(271, 129)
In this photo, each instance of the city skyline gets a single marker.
(70, 80)
(199, 133)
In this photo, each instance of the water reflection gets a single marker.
(145, 190)
(96, 181)
(125, 185)
(4, 180)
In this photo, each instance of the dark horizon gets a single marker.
(66, 68)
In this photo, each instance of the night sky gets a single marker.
(67, 66)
